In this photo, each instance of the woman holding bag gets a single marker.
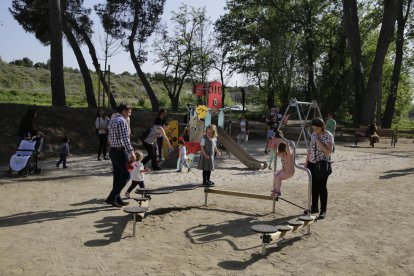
(318, 162)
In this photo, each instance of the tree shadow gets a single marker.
(397, 173)
(255, 257)
(205, 233)
(48, 215)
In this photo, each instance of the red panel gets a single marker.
(215, 95)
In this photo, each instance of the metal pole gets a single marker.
(135, 222)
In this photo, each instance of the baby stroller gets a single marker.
(24, 161)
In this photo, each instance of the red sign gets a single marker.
(215, 95)
(199, 90)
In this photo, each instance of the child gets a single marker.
(137, 173)
(272, 146)
(288, 168)
(64, 152)
(208, 147)
(183, 157)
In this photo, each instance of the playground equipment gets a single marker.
(302, 110)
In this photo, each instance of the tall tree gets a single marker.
(133, 21)
(29, 13)
(56, 54)
(391, 8)
(399, 53)
(178, 52)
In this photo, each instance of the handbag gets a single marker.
(323, 168)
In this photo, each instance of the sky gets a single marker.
(15, 43)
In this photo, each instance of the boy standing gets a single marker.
(64, 152)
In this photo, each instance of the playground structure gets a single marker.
(201, 116)
(302, 112)
(268, 233)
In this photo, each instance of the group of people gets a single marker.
(127, 163)
(318, 161)
(130, 164)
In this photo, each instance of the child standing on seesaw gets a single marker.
(208, 146)
(288, 168)
(272, 145)
(137, 173)
(182, 157)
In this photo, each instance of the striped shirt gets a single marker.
(118, 133)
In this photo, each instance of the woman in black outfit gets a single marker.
(320, 149)
(101, 125)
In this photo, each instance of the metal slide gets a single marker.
(238, 151)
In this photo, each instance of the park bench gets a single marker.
(361, 134)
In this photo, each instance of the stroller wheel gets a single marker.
(24, 173)
(37, 170)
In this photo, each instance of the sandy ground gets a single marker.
(56, 223)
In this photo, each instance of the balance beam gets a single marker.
(238, 194)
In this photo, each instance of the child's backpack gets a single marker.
(145, 134)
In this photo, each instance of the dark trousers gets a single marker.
(206, 176)
(121, 176)
(103, 140)
(159, 144)
(62, 160)
(134, 184)
(152, 155)
(319, 190)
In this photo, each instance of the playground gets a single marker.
(56, 223)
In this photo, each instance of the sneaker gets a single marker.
(122, 203)
(127, 195)
(189, 169)
(211, 183)
(65, 167)
(322, 215)
(106, 158)
(99, 159)
(113, 203)
(178, 170)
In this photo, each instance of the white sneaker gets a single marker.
(127, 195)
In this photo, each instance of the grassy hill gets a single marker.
(23, 85)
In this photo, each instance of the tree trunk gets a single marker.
(95, 61)
(351, 27)
(56, 54)
(87, 80)
(395, 79)
(150, 92)
(391, 8)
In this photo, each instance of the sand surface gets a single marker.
(56, 223)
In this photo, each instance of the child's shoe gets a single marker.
(65, 167)
(189, 169)
(178, 170)
(127, 195)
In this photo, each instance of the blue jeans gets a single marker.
(121, 176)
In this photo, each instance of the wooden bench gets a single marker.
(361, 134)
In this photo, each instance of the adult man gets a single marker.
(118, 136)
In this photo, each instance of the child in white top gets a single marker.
(137, 173)
(182, 157)
(288, 168)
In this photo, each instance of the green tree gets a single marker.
(178, 52)
(133, 21)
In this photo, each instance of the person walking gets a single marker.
(148, 142)
(118, 136)
(101, 125)
(63, 152)
(317, 160)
